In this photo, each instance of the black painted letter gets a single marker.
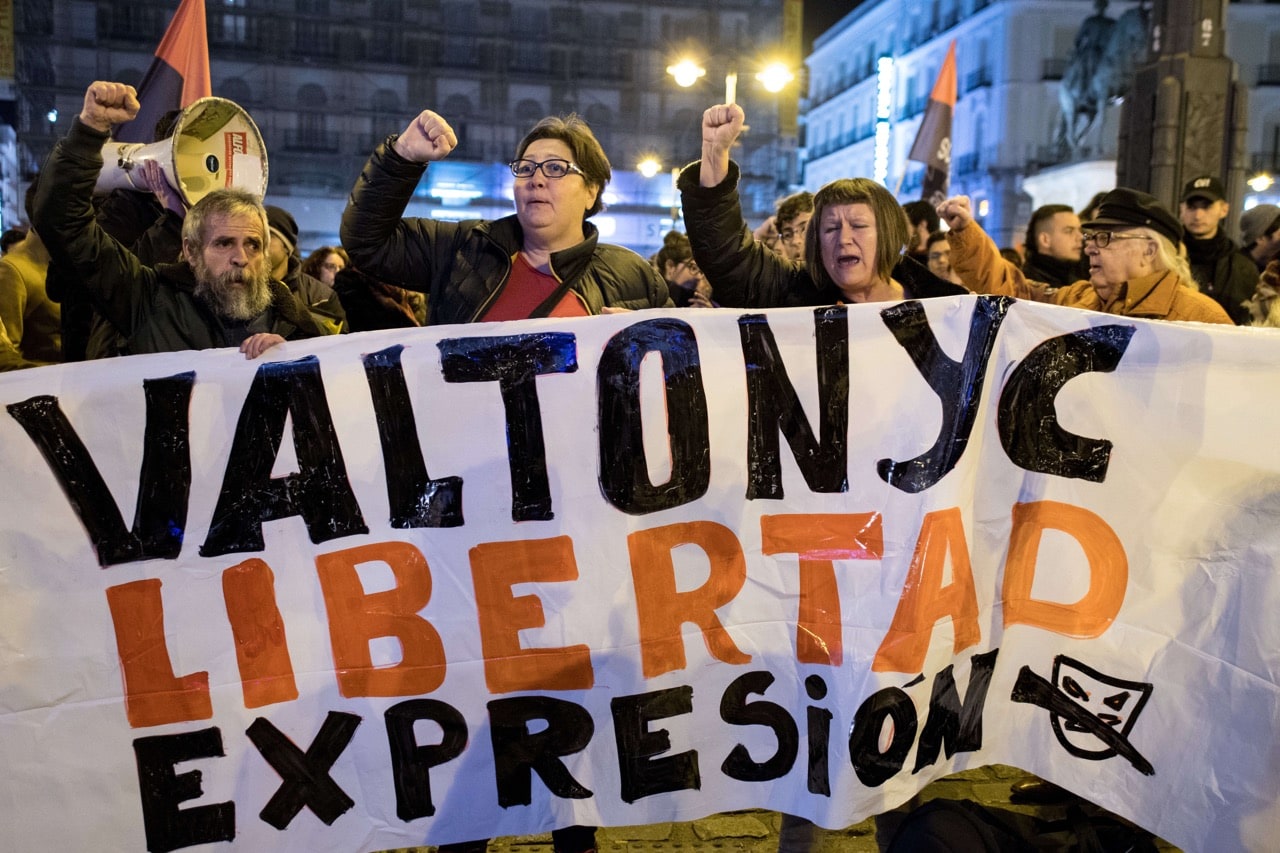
(874, 767)
(637, 744)
(624, 475)
(774, 407)
(515, 362)
(1027, 420)
(416, 500)
(168, 827)
(737, 711)
(411, 763)
(958, 385)
(164, 483)
(319, 492)
(519, 753)
(305, 779)
(950, 721)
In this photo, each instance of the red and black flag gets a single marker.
(178, 76)
(933, 142)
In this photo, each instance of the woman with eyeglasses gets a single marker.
(1134, 266)
(325, 263)
(544, 261)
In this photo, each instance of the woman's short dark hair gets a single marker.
(893, 233)
(588, 156)
(311, 266)
(675, 249)
(792, 206)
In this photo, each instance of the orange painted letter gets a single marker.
(819, 540)
(662, 610)
(925, 599)
(153, 695)
(508, 666)
(356, 617)
(1108, 570)
(266, 672)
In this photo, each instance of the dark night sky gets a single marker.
(819, 15)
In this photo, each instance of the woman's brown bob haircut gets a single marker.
(892, 230)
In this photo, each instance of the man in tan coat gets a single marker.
(1134, 267)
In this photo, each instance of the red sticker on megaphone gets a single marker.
(237, 143)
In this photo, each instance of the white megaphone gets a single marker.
(214, 145)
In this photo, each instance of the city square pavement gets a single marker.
(757, 831)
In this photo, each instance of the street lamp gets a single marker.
(649, 167)
(774, 77)
(1260, 182)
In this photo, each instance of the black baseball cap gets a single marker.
(1206, 187)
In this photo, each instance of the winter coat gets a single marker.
(1159, 296)
(462, 266)
(155, 308)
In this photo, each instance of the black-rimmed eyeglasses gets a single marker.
(1102, 239)
(553, 169)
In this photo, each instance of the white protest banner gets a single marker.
(407, 588)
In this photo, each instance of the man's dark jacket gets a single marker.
(462, 266)
(155, 308)
(1222, 273)
(1054, 271)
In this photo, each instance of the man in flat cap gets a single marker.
(1134, 267)
(1216, 265)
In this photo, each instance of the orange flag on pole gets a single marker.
(178, 76)
(933, 141)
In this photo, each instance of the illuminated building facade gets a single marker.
(326, 80)
(1010, 58)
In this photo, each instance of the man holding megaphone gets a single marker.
(220, 294)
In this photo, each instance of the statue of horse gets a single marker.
(1103, 60)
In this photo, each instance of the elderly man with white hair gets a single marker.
(1134, 267)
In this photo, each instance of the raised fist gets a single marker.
(427, 138)
(106, 104)
(721, 126)
(957, 212)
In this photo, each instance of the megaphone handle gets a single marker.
(126, 163)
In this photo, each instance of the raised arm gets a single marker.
(977, 259)
(381, 243)
(63, 212)
(721, 127)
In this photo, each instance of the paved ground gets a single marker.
(757, 831)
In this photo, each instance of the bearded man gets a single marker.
(220, 294)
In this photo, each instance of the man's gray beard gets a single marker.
(226, 299)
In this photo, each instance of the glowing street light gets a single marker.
(775, 77)
(686, 72)
(649, 167)
(1260, 182)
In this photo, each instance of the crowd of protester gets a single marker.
(143, 272)
(90, 279)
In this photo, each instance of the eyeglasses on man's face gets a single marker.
(1102, 239)
(554, 168)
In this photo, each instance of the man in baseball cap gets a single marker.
(1220, 270)
(1260, 234)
